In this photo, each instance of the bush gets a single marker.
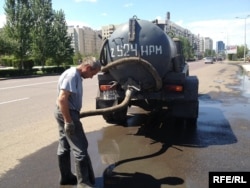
(31, 71)
(27, 64)
(50, 70)
(17, 72)
(6, 61)
(49, 62)
(28, 72)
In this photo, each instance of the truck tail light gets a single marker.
(105, 87)
(108, 92)
(174, 88)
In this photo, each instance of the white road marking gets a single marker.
(16, 100)
(12, 87)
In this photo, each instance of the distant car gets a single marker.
(209, 60)
(219, 59)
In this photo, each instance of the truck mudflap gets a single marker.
(186, 110)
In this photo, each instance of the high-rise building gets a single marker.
(88, 41)
(74, 37)
(220, 47)
(208, 43)
(85, 40)
(202, 44)
(108, 30)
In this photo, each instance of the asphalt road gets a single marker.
(150, 151)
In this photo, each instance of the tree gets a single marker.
(7, 45)
(240, 51)
(77, 58)
(42, 42)
(209, 52)
(18, 24)
(62, 50)
(37, 31)
(187, 48)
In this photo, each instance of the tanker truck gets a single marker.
(141, 58)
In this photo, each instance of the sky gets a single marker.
(211, 18)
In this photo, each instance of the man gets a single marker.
(71, 133)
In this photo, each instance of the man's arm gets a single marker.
(62, 102)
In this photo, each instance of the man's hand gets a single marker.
(69, 128)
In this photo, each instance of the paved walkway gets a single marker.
(246, 67)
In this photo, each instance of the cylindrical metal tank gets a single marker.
(143, 39)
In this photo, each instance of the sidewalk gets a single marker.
(246, 67)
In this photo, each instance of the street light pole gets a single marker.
(245, 19)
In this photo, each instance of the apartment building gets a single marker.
(85, 40)
(173, 29)
(108, 30)
(88, 41)
(74, 36)
(202, 45)
(208, 43)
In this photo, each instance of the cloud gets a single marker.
(230, 31)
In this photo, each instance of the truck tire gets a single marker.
(116, 117)
(191, 123)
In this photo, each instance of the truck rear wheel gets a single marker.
(116, 117)
(191, 123)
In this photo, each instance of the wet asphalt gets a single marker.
(153, 150)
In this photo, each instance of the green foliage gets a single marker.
(27, 72)
(7, 61)
(63, 51)
(41, 33)
(209, 53)
(18, 25)
(187, 48)
(240, 51)
(17, 72)
(8, 46)
(77, 57)
(35, 31)
(58, 70)
(49, 62)
(27, 64)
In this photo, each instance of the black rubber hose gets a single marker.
(129, 91)
(123, 104)
(149, 67)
